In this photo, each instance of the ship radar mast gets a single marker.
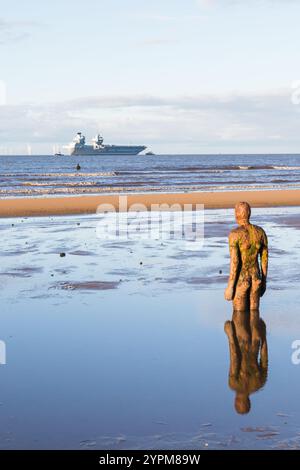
(97, 141)
(79, 139)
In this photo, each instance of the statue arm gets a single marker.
(264, 354)
(233, 350)
(264, 255)
(234, 266)
(234, 359)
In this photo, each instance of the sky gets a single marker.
(180, 76)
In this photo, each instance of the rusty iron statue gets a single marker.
(248, 245)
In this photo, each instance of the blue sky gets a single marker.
(177, 75)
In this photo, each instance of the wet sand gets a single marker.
(22, 207)
(134, 356)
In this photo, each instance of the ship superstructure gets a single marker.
(79, 147)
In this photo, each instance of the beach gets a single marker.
(23, 207)
(113, 327)
(149, 224)
(120, 344)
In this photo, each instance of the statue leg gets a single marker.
(255, 294)
(241, 296)
(233, 348)
(241, 322)
(255, 331)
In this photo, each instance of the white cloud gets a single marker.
(170, 18)
(15, 31)
(210, 122)
(206, 3)
(226, 3)
(157, 42)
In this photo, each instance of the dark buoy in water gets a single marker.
(78, 167)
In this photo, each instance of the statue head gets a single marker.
(242, 213)
(242, 403)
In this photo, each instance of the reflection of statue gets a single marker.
(247, 279)
(248, 356)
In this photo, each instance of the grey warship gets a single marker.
(79, 147)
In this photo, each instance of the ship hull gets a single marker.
(86, 150)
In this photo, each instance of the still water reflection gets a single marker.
(248, 369)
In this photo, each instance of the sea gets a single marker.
(42, 175)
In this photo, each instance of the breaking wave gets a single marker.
(39, 176)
